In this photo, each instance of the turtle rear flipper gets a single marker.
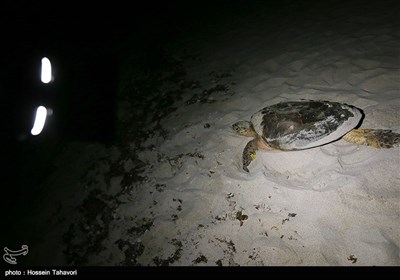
(378, 138)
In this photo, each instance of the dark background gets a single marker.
(88, 43)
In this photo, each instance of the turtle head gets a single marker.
(244, 128)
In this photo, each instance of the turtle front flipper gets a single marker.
(377, 138)
(249, 153)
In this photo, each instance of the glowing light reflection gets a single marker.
(46, 75)
(40, 119)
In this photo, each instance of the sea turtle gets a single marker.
(299, 125)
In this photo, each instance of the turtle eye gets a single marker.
(236, 128)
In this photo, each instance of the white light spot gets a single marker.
(40, 119)
(46, 75)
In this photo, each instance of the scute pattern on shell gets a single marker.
(297, 124)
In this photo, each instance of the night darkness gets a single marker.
(91, 49)
(89, 46)
(109, 54)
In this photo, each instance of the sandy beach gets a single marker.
(181, 198)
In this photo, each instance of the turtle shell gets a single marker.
(298, 125)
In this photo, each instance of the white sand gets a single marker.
(337, 204)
